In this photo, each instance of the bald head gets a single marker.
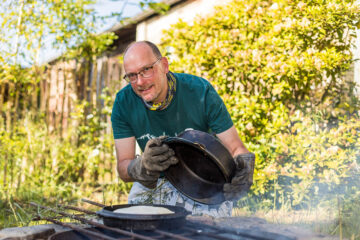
(142, 47)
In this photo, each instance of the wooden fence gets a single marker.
(67, 83)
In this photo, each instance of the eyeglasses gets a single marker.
(146, 72)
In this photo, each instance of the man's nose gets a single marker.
(140, 80)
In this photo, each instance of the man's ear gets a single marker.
(165, 64)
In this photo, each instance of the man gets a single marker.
(160, 103)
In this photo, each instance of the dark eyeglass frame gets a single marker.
(141, 73)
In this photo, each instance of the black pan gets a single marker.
(205, 165)
(143, 221)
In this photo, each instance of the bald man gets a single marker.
(158, 103)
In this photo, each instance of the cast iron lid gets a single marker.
(143, 221)
(205, 165)
(109, 212)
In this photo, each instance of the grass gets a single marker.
(15, 210)
(36, 166)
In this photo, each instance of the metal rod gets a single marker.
(172, 235)
(84, 220)
(38, 218)
(87, 232)
(93, 203)
(78, 209)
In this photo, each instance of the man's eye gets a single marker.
(146, 69)
(131, 75)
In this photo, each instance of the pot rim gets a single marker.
(107, 211)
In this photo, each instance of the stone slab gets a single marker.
(261, 225)
(29, 233)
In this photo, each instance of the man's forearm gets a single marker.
(122, 170)
(232, 142)
(241, 149)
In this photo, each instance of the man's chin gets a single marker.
(147, 98)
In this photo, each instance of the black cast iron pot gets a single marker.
(143, 221)
(205, 165)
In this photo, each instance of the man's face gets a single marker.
(140, 57)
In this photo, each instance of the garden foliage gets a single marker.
(41, 167)
(279, 67)
(36, 163)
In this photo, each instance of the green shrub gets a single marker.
(279, 50)
(46, 168)
(279, 67)
(315, 163)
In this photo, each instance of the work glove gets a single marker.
(156, 158)
(243, 178)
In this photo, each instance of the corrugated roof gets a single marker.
(141, 16)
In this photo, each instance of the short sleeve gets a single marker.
(218, 117)
(120, 125)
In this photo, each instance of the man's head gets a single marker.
(146, 70)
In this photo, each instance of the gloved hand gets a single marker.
(157, 157)
(243, 178)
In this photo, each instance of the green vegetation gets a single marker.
(38, 164)
(52, 165)
(280, 68)
(41, 167)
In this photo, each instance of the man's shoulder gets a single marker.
(125, 94)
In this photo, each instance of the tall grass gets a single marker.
(337, 216)
(36, 165)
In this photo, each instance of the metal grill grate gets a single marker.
(192, 230)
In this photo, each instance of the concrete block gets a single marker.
(27, 233)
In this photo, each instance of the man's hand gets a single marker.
(243, 178)
(157, 157)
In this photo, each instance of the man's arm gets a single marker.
(125, 153)
(232, 142)
(244, 161)
(146, 168)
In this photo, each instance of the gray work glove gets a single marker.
(243, 178)
(156, 158)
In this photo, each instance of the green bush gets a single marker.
(315, 163)
(47, 168)
(279, 67)
(280, 50)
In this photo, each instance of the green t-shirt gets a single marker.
(196, 105)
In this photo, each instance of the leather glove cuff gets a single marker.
(139, 174)
(243, 160)
(243, 179)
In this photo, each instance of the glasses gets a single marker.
(146, 72)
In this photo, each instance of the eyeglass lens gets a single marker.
(146, 73)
